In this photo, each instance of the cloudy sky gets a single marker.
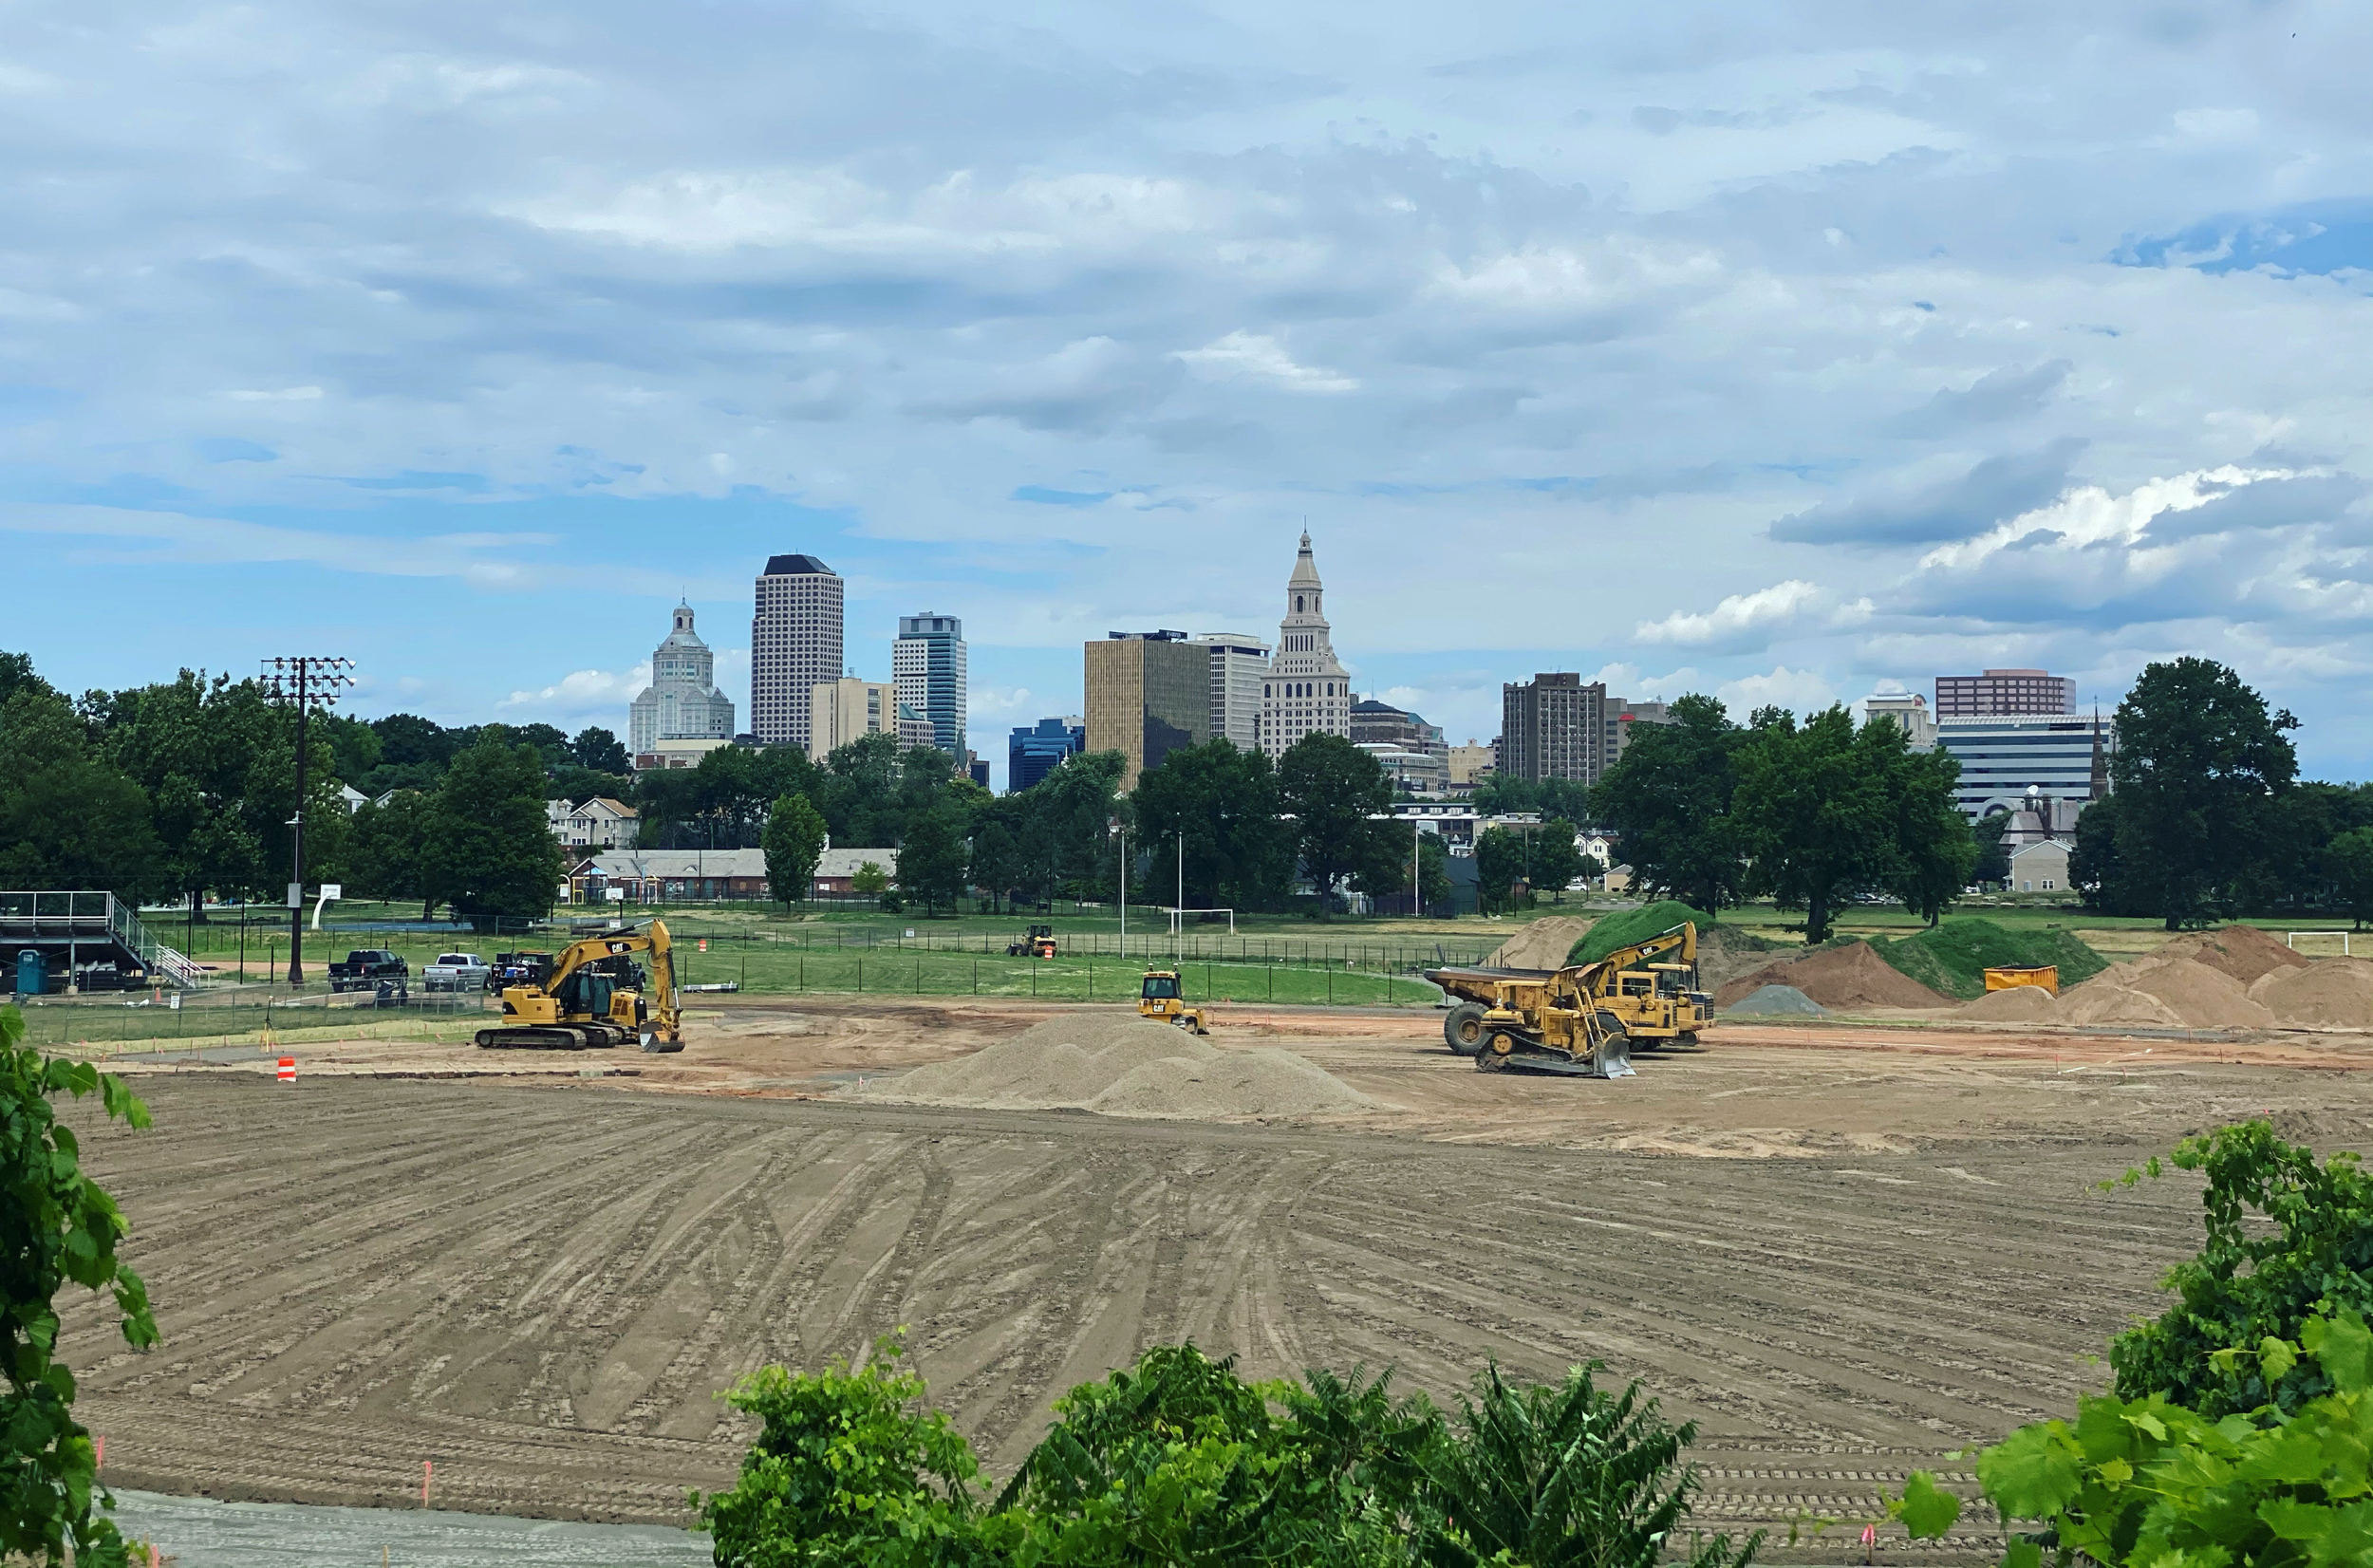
(1784, 351)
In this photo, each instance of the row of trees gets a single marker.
(1810, 814)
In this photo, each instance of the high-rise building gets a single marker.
(1238, 665)
(845, 710)
(1624, 718)
(1906, 709)
(1149, 694)
(2058, 756)
(682, 702)
(1306, 691)
(794, 645)
(1470, 762)
(1037, 750)
(928, 664)
(1554, 726)
(1999, 691)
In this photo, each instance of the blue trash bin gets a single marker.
(32, 976)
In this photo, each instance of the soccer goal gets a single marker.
(1177, 916)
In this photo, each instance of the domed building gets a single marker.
(682, 702)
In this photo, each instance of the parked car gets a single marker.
(365, 967)
(455, 971)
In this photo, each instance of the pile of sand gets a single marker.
(2018, 1004)
(2199, 980)
(1542, 944)
(1849, 976)
(2325, 994)
(1125, 1067)
(1767, 1001)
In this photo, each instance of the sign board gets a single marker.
(615, 895)
(296, 895)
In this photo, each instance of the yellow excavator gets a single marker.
(1163, 999)
(1583, 1019)
(591, 994)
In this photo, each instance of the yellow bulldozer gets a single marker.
(593, 995)
(1162, 998)
(1584, 1019)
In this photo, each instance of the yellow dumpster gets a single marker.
(2006, 977)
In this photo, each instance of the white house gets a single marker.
(2040, 868)
(600, 822)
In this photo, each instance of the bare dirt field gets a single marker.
(1846, 1249)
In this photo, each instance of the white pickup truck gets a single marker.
(455, 971)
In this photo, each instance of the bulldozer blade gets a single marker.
(1612, 1060)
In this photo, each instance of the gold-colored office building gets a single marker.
(1148, 693)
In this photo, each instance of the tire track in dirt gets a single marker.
(541, 1289)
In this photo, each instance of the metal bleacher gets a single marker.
(91, 939)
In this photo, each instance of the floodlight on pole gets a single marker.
(307, 681)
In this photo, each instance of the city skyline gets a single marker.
(1852, 351)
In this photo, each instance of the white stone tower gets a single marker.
(1306, 691)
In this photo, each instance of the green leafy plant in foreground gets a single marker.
(1178, 1461)
(57, 1227)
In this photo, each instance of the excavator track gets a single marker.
(544, 1037)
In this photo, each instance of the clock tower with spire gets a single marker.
(1305, 691)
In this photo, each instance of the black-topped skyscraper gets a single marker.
(794, 643)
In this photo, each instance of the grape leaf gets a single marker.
(1927, 1510)
(2033, 1473)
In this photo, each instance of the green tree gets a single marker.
(932, 861)
(2199, 760)
(1333, 790)
(995, 859)
(1992, 866)
(57, 1227)
(1933, 850)
(1557, 860)
(869, 880)
(1671, 798)
(2096, 869)
(600, 751)
(1501, 858)
(192, 746)
(793, 843)
(1812, 811)
(491, 851)
(67, 817)
(1238, 854)
(2348, 862)
(1388, 873)
(390, 854)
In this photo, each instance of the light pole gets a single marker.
(1115, 826)
(307, 681)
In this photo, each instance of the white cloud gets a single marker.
(1757, 616)
(581, 692)
(1263, 358)
(1799, 691)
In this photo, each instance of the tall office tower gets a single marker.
(682, 702)
(1553, 726)
(1306, 691)
(845, 710)
(2062, 757)
(927, 664)
(1997, 693)
(1624, 717)
(795, 644)
(1036, 751)
(1238, 665)
(1148, 693)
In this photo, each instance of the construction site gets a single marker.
(1853, 1226)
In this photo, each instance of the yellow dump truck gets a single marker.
(1584, 1019)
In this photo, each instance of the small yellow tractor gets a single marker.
(1162, 998)
(592, 996)
(1038, 944)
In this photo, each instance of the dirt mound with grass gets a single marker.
(1122, 1066)
(1542, 944)
(1849, 975)
(1622, 930)
(1952, 956)
(2018, 1004)
(2324, 994)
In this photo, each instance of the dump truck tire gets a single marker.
(1463, 1028)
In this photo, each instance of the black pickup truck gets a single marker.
(365, 967)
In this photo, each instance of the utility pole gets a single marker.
(1117, 827)
(1178, 916)
(307, 681)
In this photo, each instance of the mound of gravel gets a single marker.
(1122, 1066)
(2017, 1005)
(1849, 976)
(2325, 994)
(1775, 1000)
(2190, 994)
